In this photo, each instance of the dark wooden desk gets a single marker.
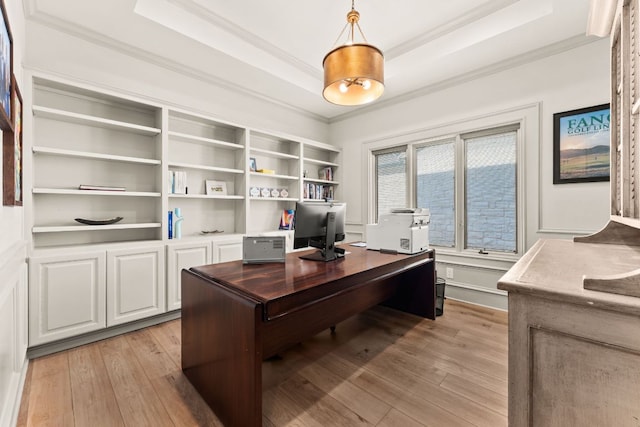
(234, 315)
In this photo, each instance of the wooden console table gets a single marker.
(234, 315)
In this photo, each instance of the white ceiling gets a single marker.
(275, 48)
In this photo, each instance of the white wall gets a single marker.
(13, 275)
(573, 79)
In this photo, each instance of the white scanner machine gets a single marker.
(403, 230)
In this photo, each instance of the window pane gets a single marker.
(491, 192)
(391, 178)
(435, 189)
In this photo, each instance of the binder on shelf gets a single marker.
(170, 223)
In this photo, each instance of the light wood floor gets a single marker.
(381, 368)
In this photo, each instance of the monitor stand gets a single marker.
(328, 252)
(325, 255)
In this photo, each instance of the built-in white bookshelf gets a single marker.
(275, 184)
(87, 137)
(83, 135)
(126, 152)
(212, 152)
(321, 170)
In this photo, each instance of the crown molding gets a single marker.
(449, 27)
(532, 56)
(96, 38)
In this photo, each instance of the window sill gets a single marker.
(491, 260)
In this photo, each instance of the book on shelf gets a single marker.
(100, 187)
(269, 171)
(326, 173)
(317, 191)
(177, 182)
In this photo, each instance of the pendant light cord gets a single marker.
(351, 35)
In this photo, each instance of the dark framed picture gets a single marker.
(252, 164)
(12, 153)
(6, 70)
(581, 144)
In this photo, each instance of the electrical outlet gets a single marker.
(449, 273)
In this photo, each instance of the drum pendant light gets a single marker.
(353, 72)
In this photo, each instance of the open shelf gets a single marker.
(205, 141)
(205, 168)
(84, 119)
(90, 155)
(65, 191)
(275, 199)
(205, 196)
(275, 154)
(274, 176)
(320, 181)
(67, 228)
(320, 162)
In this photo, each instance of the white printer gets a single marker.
(401, 230)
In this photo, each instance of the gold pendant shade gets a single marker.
(353, 75)
(353, 72)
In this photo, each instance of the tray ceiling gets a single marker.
(275, 48)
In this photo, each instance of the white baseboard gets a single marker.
(478, 295)
(65, 344)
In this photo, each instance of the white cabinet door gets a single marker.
(180, 256)
(135, 283)
(66, 296)
(227, 249)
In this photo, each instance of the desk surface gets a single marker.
(283, 286)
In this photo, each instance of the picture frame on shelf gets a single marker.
(6, 71)
(215, 188)
(12, 184)
(252, 164)
(581, 145)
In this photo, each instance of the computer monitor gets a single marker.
(319, 225)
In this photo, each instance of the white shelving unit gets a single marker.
(277, 187)
(207, 150)
(82, 135)
(318, 158)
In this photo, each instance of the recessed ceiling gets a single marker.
(275, 48)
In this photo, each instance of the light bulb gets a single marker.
(366, 84)
(343, 87)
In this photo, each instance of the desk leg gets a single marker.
(221, 351)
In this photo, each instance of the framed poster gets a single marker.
(12, 153)
(6, 71)
(581, 144)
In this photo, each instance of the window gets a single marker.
(391, 179)
(435, 189)
(490, 192)
(468, 181)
